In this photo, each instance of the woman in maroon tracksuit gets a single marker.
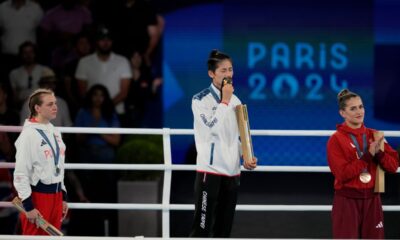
(353, 156)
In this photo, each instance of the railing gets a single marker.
(168, 167)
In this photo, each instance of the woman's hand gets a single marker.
(250, 164)
(64, 210)
(33, 216)
(227, 92)
(376, 145)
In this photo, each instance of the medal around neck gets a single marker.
(365, 177)
(57, 171)
(226, 80)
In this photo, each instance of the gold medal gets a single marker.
(365, 177)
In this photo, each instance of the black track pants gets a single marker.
(215, 202)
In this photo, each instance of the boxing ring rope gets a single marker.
(168, 167)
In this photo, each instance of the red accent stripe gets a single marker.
(34, 120)
(218, 174)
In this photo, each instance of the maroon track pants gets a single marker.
(357, 217)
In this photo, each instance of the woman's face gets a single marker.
(28, 55)
(223, 70)
(353, 113)
(48, 109)
(97, 98)
(83, 46)
(136, 60)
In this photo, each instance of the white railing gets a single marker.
(168, 167)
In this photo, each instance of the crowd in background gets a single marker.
(103, 61)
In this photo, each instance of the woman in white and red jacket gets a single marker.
(39, 168)
(353, 156)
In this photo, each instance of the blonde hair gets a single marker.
(36, 99)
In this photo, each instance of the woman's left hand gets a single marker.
(375, 145)
(250, 164)
(64, 210)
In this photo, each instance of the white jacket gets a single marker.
(216, 133)
(34, 158)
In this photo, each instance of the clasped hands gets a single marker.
(377, 143)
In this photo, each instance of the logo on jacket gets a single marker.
(380, 225)
(43, 142)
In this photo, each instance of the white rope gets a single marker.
(188, 207)
(179, 167)
(175, 167)
(152, 131)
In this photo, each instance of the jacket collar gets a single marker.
(348, 130)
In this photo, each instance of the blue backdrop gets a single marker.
(290, 60)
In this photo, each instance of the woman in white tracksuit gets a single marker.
(39, 168)
(218, 151)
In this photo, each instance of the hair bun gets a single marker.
(343, 93)
(214, 53)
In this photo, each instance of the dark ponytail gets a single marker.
(215, 58)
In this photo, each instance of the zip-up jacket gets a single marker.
(346, 164)
(216, 133)
(35, 165)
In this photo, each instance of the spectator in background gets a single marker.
(143, 91)
(137, 28)
(140, 91)
(99, 186)
(106, 68)
(19, 20)
(7, 115)
(8, 216)
(48, 80)
(153, 117)
(59, 26)
(69, 85)
(25, 78)
(98, 111)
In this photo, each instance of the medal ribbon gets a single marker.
(215, 95)
(364, 137)
(56, 154)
